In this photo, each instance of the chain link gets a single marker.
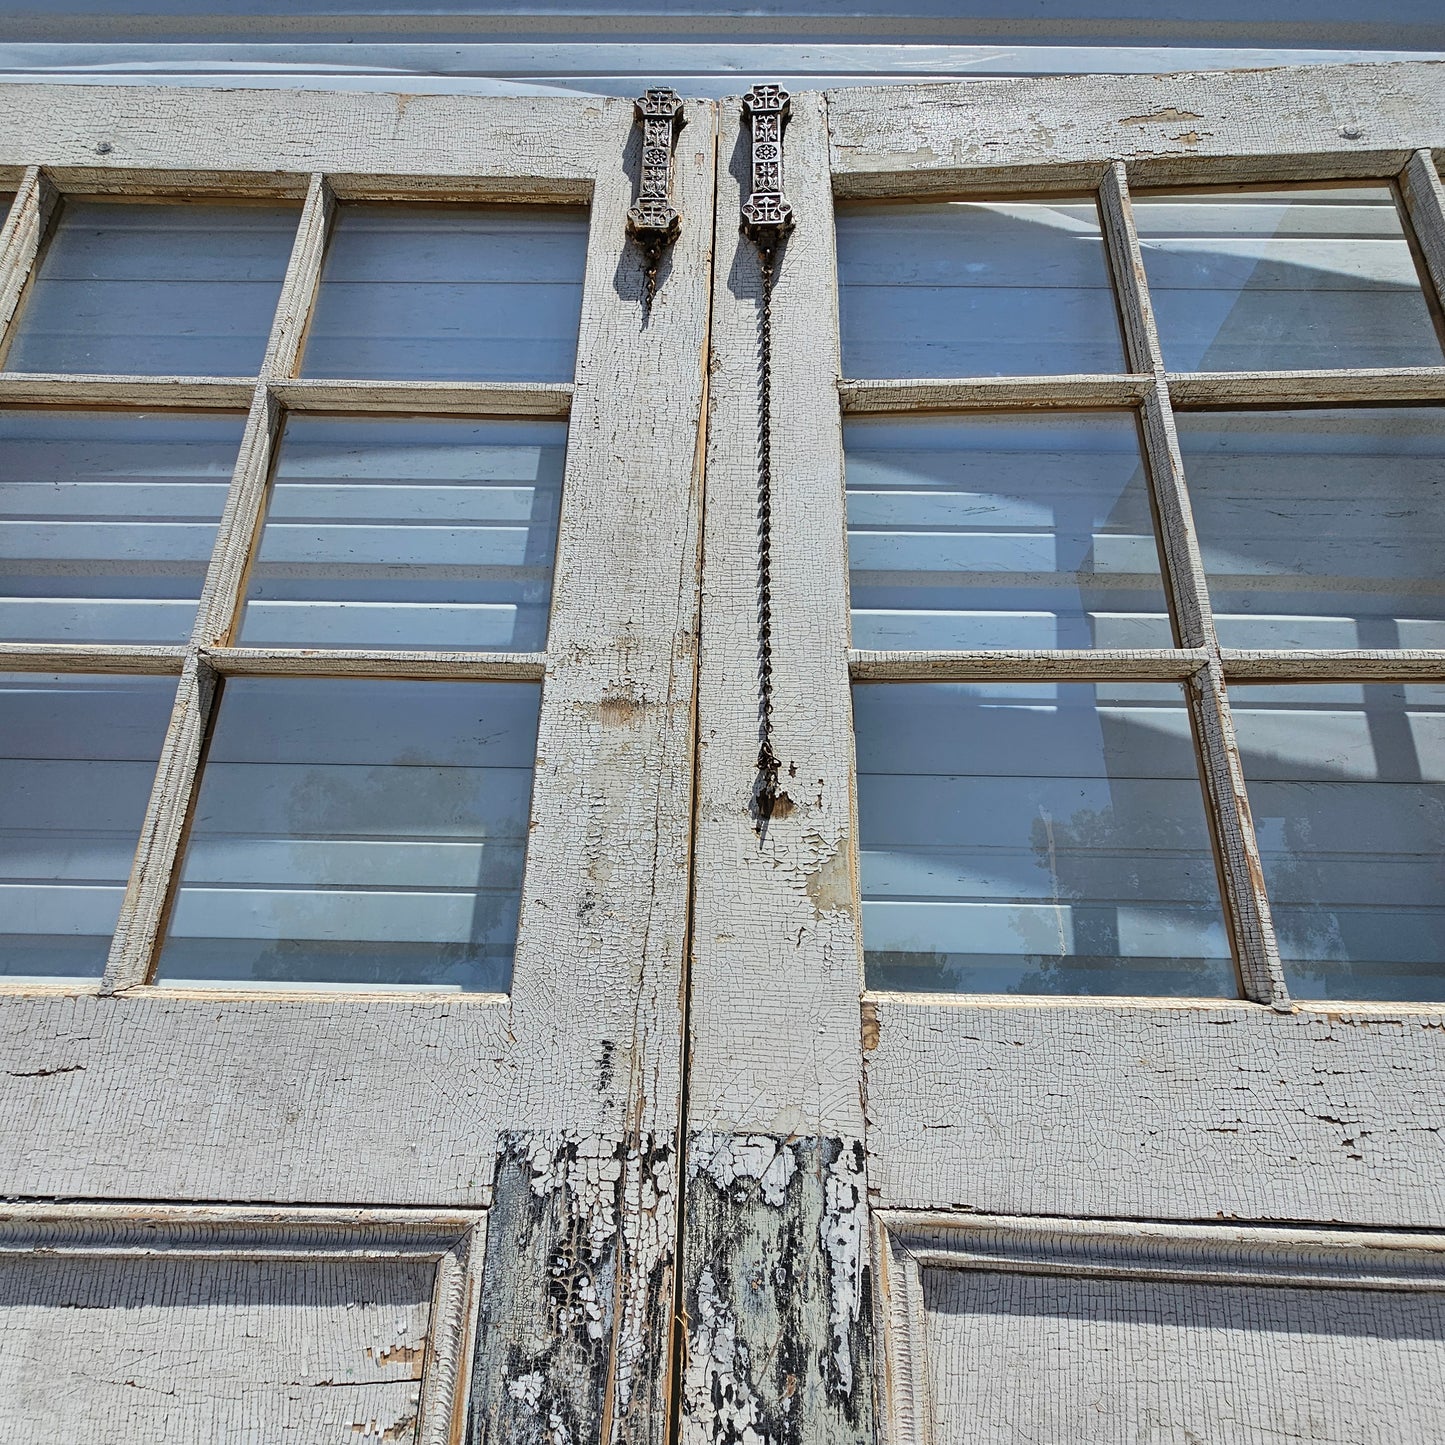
(766, 788)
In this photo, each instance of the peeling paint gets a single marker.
(729, 1159)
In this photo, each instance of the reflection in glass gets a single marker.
(968, 288)
(1035, 838)
(1321, 528)
(1027, 531)
(80, 756)
(1347, 789)
(1281, 280)
(482, 293)
(107, 520)
(179, 290)
(358, 832)
(408, 534)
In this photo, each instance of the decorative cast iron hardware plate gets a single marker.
(767, 216)
(654, 221)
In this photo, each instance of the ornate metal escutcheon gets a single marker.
(654, 221)
(767, 216)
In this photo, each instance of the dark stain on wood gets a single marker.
(572, 1337)
(778, 1292)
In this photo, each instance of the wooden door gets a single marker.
(352, 494)
(1077, 1013)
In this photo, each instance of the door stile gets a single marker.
(776, 1272)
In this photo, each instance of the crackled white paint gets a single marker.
(719, 1400)
(843, 1234)
(728, 1159)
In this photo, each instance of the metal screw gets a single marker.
(1351, 132)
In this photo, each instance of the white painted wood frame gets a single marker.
(1256, 1108)
(124, 1089)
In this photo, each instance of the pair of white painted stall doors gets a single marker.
(412, 1031)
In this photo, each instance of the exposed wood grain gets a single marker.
(142, 911)
(20, 241)
(1093, 666)
(319, 662)
(1241, 874)
(1286, 388)
(433, 398)
(1404, 665)
(148, 392)
(779, 1292)
(1158, 1109)
(303, 276)
(988, 393)
(1425, 202)
(81, 657)
(1126, 262)
(368, 144)
(1292, 122)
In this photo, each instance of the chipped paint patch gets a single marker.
(777, 1292)
(577, 1290)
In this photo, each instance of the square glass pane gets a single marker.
(1284, 280)
(409, 534)
(472, 293)
(107, 521)
(358, 832)
(168, 290)
(975, 288)
(1035, 838)
(1029, 530)
(1321, 528)
(80, 756)
(1347, 788)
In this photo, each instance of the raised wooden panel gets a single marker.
(1056, 1331)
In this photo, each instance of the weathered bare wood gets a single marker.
(198, 1231)
(1126, 261)
(779, 1291)
(1097, 666)
(1241, 874)
(143, 909)
(1290, 123)
(32, 388)
(1425, 202)
(20, 241)
(318, 662)
(303, 276)
(903, 1385)
(82, 657)
(1157, 1109)
(1379, 665)
(1286, 388)
(1182, 564)
(989, 393)
(369, 145)
(517, 398)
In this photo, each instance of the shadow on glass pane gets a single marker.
(475, 293)
(107, 521)
(1347, 788)
(358, 833)
(409, 534)
(179, 290)
(973, 288)
(1282, 280)
(80, 756)
(1321, 528)
(1018, 531)
(1035, 838)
